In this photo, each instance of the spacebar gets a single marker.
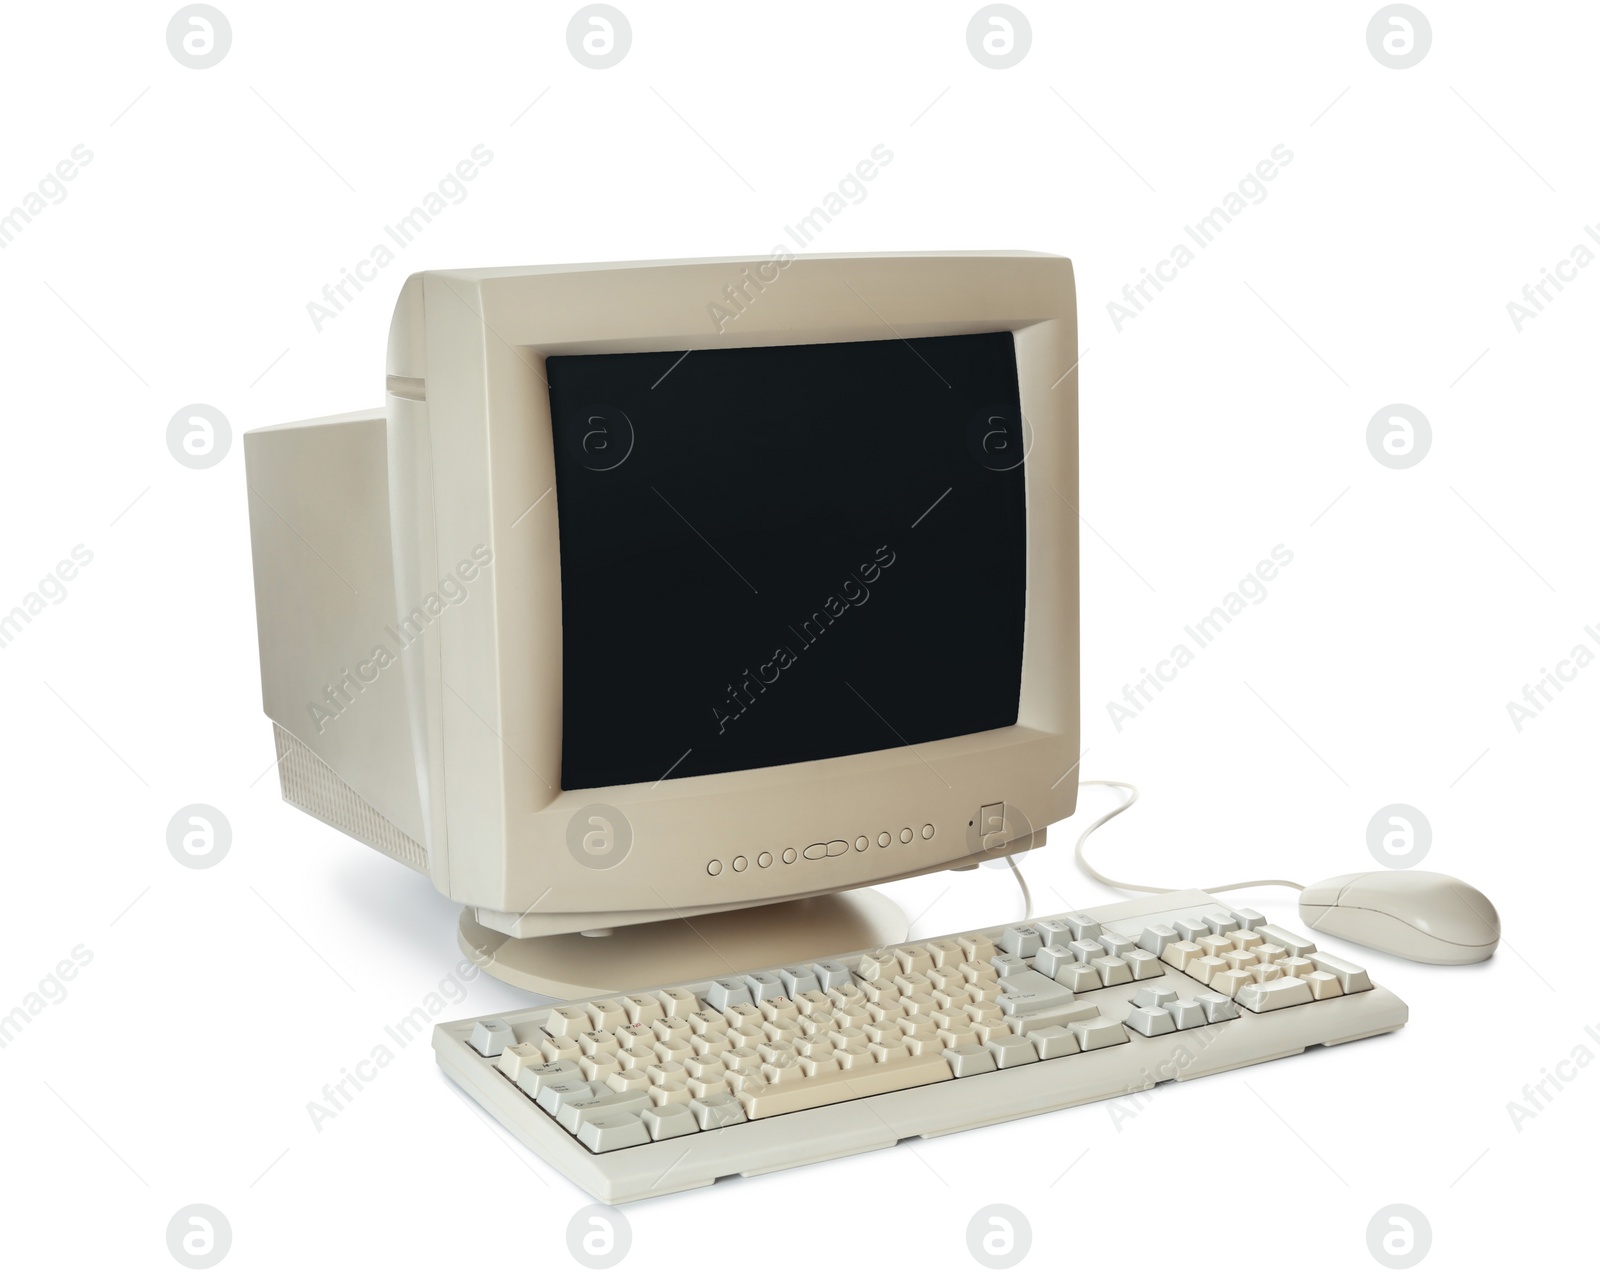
(761, 1100)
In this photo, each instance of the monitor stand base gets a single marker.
(570, 966)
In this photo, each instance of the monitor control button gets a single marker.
(905, 835)
(861, 842)
(927, 831)
(815, 851)
(714, 867)
(884, 838)
(837, 847)
(789, 855)
(765, 859)
(740, 863)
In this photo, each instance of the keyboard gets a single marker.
(668, 1088)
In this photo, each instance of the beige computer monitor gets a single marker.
(407, 574)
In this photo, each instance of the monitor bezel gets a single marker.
(466, 364)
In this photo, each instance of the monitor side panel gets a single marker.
(697, 844)
(332, 658)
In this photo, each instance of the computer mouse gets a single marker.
(1419, 915)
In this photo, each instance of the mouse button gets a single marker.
(1329, 893)
(1437, 905)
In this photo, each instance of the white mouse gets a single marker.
(1420, 915)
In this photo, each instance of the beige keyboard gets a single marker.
(664, 1089)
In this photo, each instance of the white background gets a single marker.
(1229, 417)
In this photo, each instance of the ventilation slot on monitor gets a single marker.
(309, 784)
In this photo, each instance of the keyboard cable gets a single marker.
(1128, 802)
(1127, 886)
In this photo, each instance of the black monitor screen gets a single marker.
(786, 553)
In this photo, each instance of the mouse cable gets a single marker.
(1027, 897)
(1077, 853)
(1132, 797)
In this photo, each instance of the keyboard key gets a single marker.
(562, 1092)
(632, 1037)
(1052, 959)
(1293, 943)
(799, 979)
(1229, 981)
(778, 1010)
(1078, 977)
(564, 1049)
(1324, 986)
(884, 1076)
(1222, 921)
(1022, 1023)
(1055, 933)
(1154, 996)
(598, 1043)
(678, 1001)
(665, 1122)
(945, 953)
(1191, 928)
(643, 1008)
(1218, 1007)
(1150, 1020)
(969, 1059)
(512, 1060)
(606, 1015)
(1178, 954)
(599, 1068)
(707, 1021)
(1280, 993)
(612, 1132)
(717, 1111)
(1086, 950)
(532, 1079)
(1143, 964)
(1187, 1014)
(1204, 968)
(603, 1105)
(877, 964)
(492, 1036)
(1004, 963)
(975, 947)
(1156, 937)
(765, 986)
(1012, 1050)
(675, 1093)
(1053, 1041)
(1029, 990)
(567, 1020)
(724, 993)
(831, 974)
(1022, 940)
(1352, 977)
(629, 1081)
(1114, 943)
(1111, 970)
(1245, 918)
(1098, 1032)
(1084, 926)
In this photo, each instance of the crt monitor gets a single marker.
(660, 592)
